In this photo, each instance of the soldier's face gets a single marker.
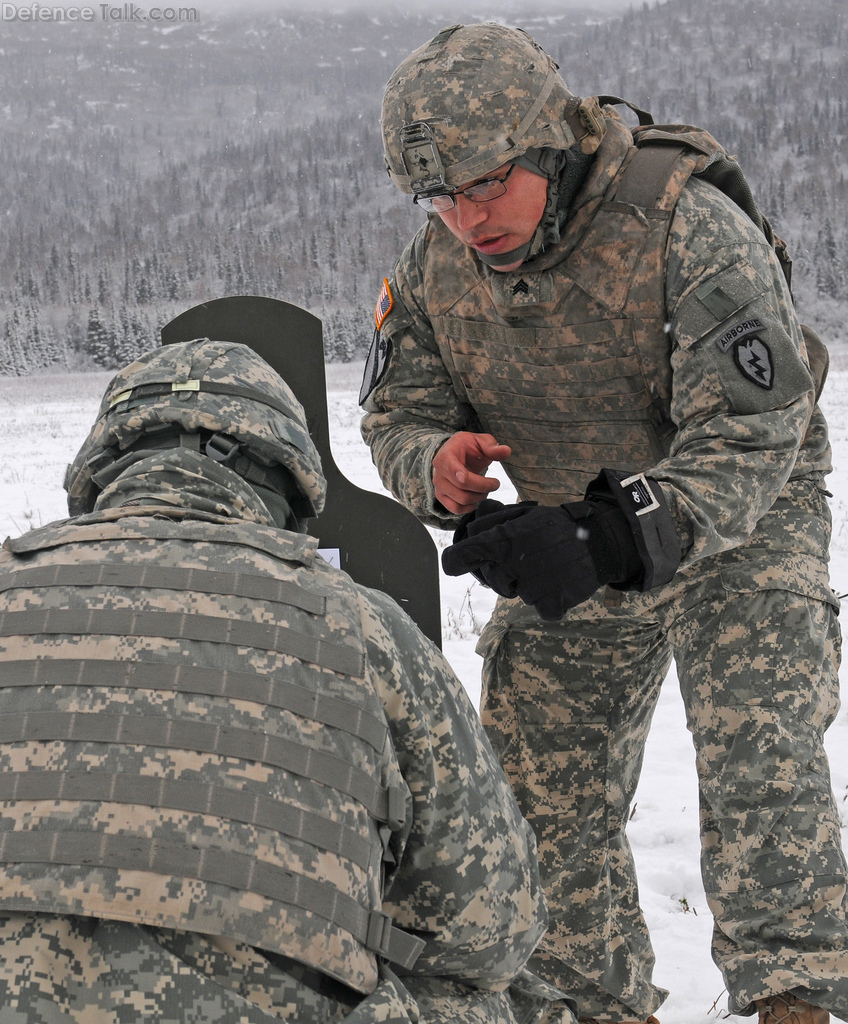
(504, 223)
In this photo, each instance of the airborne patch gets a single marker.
(384, 304)
(753, 357)
(744, 329)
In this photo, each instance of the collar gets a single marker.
(179, 478)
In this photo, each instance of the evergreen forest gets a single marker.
(146, 167)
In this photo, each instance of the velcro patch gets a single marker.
(743, 329)
(717, 301)
(384, 304)
(375, 364)
(753, 357)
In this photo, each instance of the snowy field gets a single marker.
(44, 419)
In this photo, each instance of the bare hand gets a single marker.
(459, 470)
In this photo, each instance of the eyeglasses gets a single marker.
(481, 192)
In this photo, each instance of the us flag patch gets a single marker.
(384, 304)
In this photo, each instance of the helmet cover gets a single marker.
(472, 99)
(215, 386)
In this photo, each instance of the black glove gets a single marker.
(493, 512)
(488, 514)
(557, 557)
(544, 554)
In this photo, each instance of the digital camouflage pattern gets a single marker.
(487, 94)
(214, 386)
(261, 634)
(495, 374)
(81, 970)
(213, 743)
(692, 369)
(73, 970)
(757, 662)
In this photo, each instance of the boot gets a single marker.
(789, 1009)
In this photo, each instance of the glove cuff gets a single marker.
(610, 542)
(644, 506)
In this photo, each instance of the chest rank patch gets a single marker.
(753, 357)
(517, 292)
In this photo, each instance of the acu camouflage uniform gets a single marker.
(673, 351)
(236, 786)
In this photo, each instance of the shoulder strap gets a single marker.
(645, 179)
(645, 118)
(662, 152)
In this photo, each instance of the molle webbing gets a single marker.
(267, 636)
(383, 804)
(218, 867)
(198, 581)
(193, 798)
(248, 686)
(197, 773)
(267, 540)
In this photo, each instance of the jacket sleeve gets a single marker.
(466, 878)
(743, 394)
(413, 408)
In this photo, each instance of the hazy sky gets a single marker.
(384, 10)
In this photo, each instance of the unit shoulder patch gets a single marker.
(378, 354)
(753, 357)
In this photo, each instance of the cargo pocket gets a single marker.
(776, 645)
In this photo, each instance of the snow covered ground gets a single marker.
(44, 419)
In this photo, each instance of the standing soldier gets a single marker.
(235, 785)
(587, 307)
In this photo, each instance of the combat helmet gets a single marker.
(472, 99)
(218, 396)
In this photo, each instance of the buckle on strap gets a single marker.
(101, 459)
(586, 121)
(386, 940)
(223, 449)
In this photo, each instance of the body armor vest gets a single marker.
(193, 747)
(568, 361)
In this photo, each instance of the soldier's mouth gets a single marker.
(487, 245)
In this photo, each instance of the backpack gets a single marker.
(666, 149)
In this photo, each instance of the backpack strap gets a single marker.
(661, 152)
(645, 118)
(646, 177)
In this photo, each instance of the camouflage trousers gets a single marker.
(568, 707)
